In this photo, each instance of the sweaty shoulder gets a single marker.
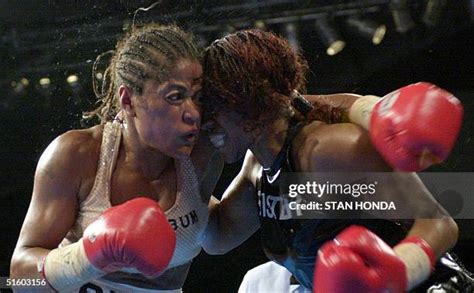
(72, 156)
(250, 167)
(342, 147)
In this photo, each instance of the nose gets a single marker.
(192, 112)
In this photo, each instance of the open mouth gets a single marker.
(191, 137)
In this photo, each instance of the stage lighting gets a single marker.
(261, 25)
(45, 82)
(433, 12)
(72, 79)
(24, 81)
(19, 87)
(291, 34)
(45, 87)
(367, 28)
(329, 36)
(401, 16)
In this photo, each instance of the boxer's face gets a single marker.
(167, 116)
(227, 135)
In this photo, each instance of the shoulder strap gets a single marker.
(294, 127)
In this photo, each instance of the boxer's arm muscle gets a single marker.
(235, 218)
(356, 153)
(342, 147)
(53, 205)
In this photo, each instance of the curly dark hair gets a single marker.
(145, 52)
(252, 73)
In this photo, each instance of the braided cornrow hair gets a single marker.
(144, 53)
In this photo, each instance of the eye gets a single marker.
(175, 97)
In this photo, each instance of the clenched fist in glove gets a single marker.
(134, 235)
(357, 260)
(413, 127)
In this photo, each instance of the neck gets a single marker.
(268, 145)
(148, 162)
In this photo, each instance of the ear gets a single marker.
(125, 95)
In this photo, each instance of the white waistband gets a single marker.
(108, 287)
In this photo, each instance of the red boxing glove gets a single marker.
(416, 126)
(135, 234)
(358, 261)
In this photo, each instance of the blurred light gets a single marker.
(25, 82)
(291, 34)
(433, 12)
(401, 16)
(99, 75)
(44, 82)
(19, 87)
(72, 79)
(367, 28)
(329, 36)
(45, 87)
(260, 24)
(74, 85)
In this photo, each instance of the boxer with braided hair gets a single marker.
(142, 54)
(251, 89)
(118, 206)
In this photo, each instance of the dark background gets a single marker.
(55, 39)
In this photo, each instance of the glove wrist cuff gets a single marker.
(423, 245)
(361, 111)
(418, 257)
(68, 267)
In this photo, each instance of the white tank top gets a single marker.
(188, 216)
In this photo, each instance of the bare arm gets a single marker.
(332, 108)
(235, 218)
(53, 205)
(338, 100)
(356, 153)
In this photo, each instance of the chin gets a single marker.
(183, 152)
